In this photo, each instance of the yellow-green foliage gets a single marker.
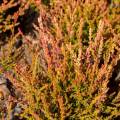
(10, 12)
(77, 50)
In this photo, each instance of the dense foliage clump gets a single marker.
(67, 69)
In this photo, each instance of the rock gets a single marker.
(3, 80)
(117, 78)
(16, 111)
(18, 43)
(4, 90)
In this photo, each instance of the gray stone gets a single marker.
(3, 80)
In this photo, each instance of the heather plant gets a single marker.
(80, 60)
(11, 11)
(72, 60)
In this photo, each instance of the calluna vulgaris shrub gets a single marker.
(73, 57)
(12, 13)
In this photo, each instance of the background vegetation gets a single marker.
(66, 66)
